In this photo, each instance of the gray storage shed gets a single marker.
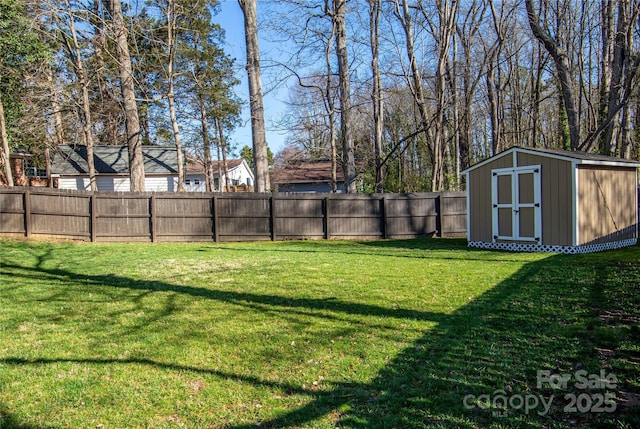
(527, 199)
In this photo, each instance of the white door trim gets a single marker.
(515, 205)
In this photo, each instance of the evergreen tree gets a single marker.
(20, 50)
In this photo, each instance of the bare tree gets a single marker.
(73, 48)
(348, 153)
(313, 103)
(331, 113)
(414, 78)
(561, 62)
(6, 153)
(56, 109)
(443, 30)
(376, 92)
(472, 68)
(259, 137)
(172, 10)
(619, 73)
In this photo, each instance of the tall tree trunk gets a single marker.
(58, 129)
(132, 122)
(143, 115)
(56, 110)
(617, 68)
(447, 11)
(47, 165)
(346, 121)
(468, 36)
(259, 137)
(452, 78)
(219, 169)
(170, 15)
(536, 95)
(6, 153)
(635, 149)
(331, 113)
(206, 145)
(493, 109)
(415, 79)
(626, 133)
(334, 152)
(110, 120)
(87, 125)
(494, 95)
(329, 103)
(606, 57)
(561, 62)
(376, 94)
(223, 148)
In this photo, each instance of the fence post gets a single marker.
(27, 213)
(438, 204)
(214, 220)
(272, 218)
(152, 218)
(327, 234)
(93, 216)
(383, 210)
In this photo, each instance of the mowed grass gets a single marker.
(320, 334)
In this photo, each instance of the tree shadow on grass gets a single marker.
(538, 319)
(8, 421)
(417, 248)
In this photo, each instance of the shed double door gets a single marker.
(516, 206)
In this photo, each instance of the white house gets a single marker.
(240, 175)
(69, 168)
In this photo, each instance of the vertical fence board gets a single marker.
(272, 218)
(12, 212)
(153, 219)
(27, 213)
(327, 218)
(214, 213)
(94, 217)
(383, 210)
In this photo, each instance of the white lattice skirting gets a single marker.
(527, 247)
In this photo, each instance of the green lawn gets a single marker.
(380, 334)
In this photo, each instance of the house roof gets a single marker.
(576, 157)
(195, 166)
(306, 172)
(71, 160)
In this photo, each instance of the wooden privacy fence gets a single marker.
(161, 217)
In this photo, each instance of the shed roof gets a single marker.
(567, 155)
(71, 160)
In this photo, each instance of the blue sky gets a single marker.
(231, 19)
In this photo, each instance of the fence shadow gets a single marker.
(497, 342)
